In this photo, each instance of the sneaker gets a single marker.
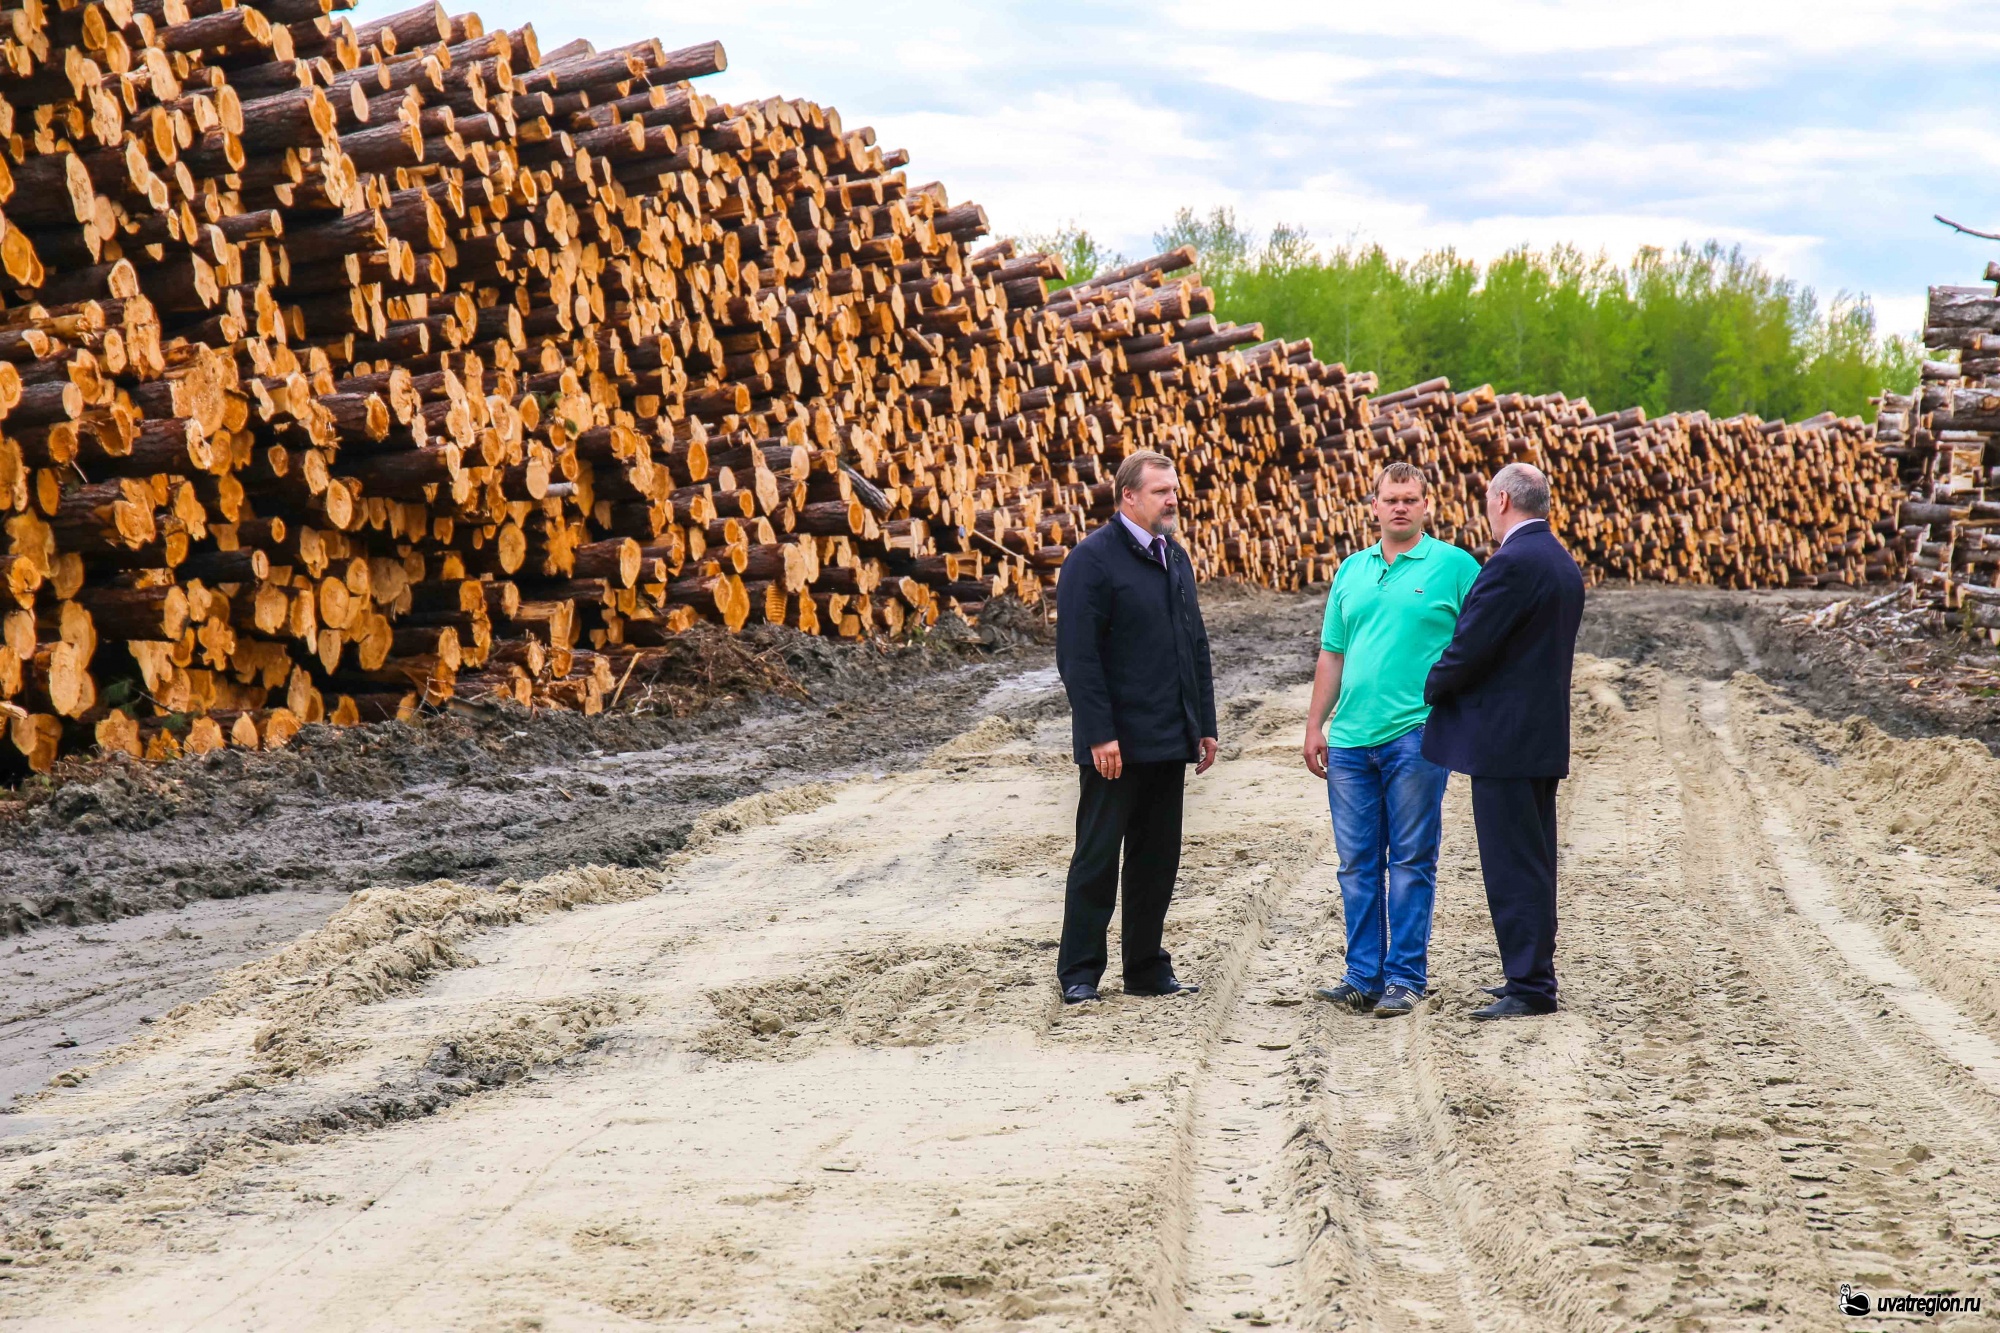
(1398, 1000)
(1348, 997)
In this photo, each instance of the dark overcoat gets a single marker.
(1132, 650)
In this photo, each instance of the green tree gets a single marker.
(1082, 255)
(1221, 247)
(1696, 327)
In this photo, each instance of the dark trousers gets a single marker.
(1516, 822)
(1139, 812)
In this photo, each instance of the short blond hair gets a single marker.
(1401, 471)
(1134, 467)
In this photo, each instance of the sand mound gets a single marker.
(1942, 793)
(765, 807)
(388, 940)
(981, 742)
(880, 997)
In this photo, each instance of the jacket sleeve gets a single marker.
(1083, 614)
(1204, 673)
(1502, 598)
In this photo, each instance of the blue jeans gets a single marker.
(1388, 803)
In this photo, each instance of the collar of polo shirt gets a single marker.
(1417, 552)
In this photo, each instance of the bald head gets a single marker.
(1524, 484)
(1518, 493)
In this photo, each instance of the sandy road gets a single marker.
(811, 1073)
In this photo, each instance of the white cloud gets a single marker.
(1902, 315)
(1094, 155)
(1540, 26)
(1818, 134)
(1313, 78)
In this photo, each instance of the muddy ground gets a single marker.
(1900, 686)
(483, 794)
(790, 1058)
(167, 874)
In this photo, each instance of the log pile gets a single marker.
(1943, 439)
(1686, 498)
(348, 368)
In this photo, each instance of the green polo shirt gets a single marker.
(1391, 623)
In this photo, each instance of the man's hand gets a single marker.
(1208, 748)
(1110, 762)
(1325, 701)
(1315, 752)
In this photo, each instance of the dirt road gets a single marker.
(174, 872)
(809, 1072)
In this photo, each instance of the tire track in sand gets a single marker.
(1864, 952)
(1895, 1139)
(1723, 1124)
(1240, 1250)
(1320, 1192)
(1409, 1264)
(1227, 1248)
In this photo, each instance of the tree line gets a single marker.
(1700, 326)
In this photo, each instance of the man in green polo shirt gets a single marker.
(1389, 618)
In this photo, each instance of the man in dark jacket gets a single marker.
(1500, 712)
(1134, 658)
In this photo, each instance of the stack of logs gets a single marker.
(1684, 498)
(1945, 440)
(347, 368)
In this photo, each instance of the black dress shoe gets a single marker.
(1174, 986)
(1511, 1006)
(1080, 994)
(1495, 991)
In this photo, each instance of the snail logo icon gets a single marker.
(1853, 1300)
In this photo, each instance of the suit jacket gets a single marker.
(1499, 696)
(1132, 651)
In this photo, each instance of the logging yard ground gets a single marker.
(745, 1017)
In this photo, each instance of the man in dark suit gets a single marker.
(1499, 702)
(1134, 658)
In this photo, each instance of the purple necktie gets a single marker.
(1160, 551)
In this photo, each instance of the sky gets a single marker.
(1820, 136)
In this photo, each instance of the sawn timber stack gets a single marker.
(350, 367)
